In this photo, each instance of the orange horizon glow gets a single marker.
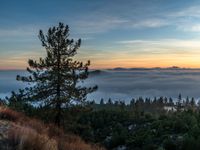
(191, 60)
(123, 65)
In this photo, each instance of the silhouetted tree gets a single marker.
(165, 100)
(154, 101)
(57, 78)
(187, 101)
(179, 102)
(192, 102)
(109, 101)
(132, 102)
(198, 104)
(171, 103)
(102, 101)
(116, 103)
(16, 101)
(147, 101)
(160, 101)
(92, 102)
(122, 104)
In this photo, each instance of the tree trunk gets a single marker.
(58, 115)
(58, 103)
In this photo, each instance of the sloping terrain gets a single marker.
(22, 133)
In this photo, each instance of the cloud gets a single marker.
(18, 60)
(182, 19)
(185, 19)
(22, 31)
(147, 83)
(8, 81)
(15, 32)
(150, 23)
(105, 19)
(191, 11)
(170, 42)
(110, 23)
(190, 27)
(164, 45)
(98, 25)
(125, 85)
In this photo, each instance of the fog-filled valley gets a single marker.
(125, 84)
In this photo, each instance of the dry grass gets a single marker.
(9, 114)
(24, 138)
(72, 142)
(32, 134)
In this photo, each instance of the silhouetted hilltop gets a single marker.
(97, 72)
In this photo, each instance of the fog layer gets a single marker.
(126, 84)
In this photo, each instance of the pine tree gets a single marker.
(192, 102)
(179, 103)
(16, 101)
(187, 101)
(132, 102)
(57, 78)
(171, 102)
(109, 101)
(102, 101)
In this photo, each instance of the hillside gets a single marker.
(22, 133)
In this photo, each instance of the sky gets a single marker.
(114, 33)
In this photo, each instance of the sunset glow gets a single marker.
(132, 34)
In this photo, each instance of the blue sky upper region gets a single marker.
(115, 33)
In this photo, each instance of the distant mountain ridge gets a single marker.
(102, 71)
(96, 72)
(156, 68)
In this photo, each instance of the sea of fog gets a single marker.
(127, 84)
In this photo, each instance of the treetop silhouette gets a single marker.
(57, 78)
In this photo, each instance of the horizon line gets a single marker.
(172, 67)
